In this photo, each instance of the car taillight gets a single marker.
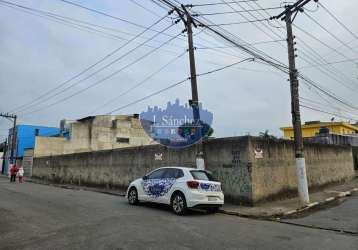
(192, 184)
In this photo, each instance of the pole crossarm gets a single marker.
(13, 141)
(292, 8)
(7, 115)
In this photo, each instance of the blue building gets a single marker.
(25, 138)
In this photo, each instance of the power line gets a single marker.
(121, 19)
(225, 67)
(217, 3)
(141, 82)
(235, 23)
(338, 21)
(225, 31)
(145, 8)
(329, 63)
(324, 106)
(148, 96)
(105, 66)
(330, 33)
(237, 11)
(321, 59)
(105, 78)
(63, 20)
(328, 93)
(39, 98)
(176, 84)
(253, 43)
(311, 82)
(76, 23)
(273, 30)
(256, 25)
(330, 74)
(327, 112)
(105, 14)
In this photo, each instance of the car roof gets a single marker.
(183, 168)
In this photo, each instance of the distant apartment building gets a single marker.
(337, 133)
(93, 133)
(313, 128)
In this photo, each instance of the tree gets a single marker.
(266, 135)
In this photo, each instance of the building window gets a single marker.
(122, 140)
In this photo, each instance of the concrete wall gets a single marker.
(229, 160)
(351, 140)
(48, 146)
(246, 176)
(226, 158)
(275, 173)
(355, 157)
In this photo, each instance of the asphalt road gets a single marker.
(34, 216)
(343, 217)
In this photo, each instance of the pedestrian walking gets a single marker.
(20, 173)
(13, 172)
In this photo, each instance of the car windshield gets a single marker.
(202, 175)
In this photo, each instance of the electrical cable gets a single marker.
(330, 33)
(105, 78)
(139, 83)
(237, 11)
(174, 85)
(338, 21)
(87, 26)
(39, 98)
(326, 112)
(235, 23)
(217, 3)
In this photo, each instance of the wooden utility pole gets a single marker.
(295, 105)
(13, 141)
(13, 148)
(194, 102)
(4, 157)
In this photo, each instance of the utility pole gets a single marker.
(13, 141)
(295, 105)
(194, 102)
(4, 157)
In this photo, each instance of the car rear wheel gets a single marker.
(133, 196)
(179, 204)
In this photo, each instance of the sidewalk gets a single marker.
(290, 207)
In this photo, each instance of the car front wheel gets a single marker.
(179, 204)
(133, 196)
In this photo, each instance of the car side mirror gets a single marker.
(145, 177)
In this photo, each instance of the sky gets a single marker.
(39, 53)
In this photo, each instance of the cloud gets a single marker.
(38, 54)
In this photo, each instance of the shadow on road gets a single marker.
(167, 208)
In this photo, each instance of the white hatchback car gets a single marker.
(179, 187)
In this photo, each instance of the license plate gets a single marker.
(212, 198)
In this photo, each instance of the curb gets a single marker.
(278, 216)
(64, 186)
